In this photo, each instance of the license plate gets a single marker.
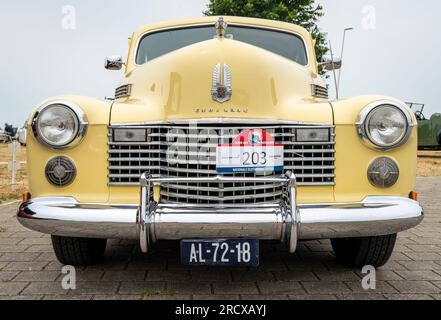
(220, 252)
(254, 150)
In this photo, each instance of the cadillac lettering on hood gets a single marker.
(221, 135)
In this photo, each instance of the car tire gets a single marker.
(78, 251)
(359, 252)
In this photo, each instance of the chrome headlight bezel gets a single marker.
(80, 118)
(365, 115)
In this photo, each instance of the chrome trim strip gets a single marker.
(272, 123)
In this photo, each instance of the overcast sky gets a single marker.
(394, 48)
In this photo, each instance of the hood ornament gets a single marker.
(221, 84)
(221, 27)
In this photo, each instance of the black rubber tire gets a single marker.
(78, 251)
(359, 252)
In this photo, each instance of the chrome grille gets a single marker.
(194, 150)
(123, 91)
(319, 91)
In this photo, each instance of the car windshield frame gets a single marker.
(258, 27)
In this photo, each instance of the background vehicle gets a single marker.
(22, 135)
(429, 129)
(4, 137)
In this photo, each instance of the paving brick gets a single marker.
(7, 234)
(277, 297)
(188, 287)
(252, 275)
(95, 288)
(380, 287)
(168, 275)
(217, 297)
(361, 296)
(280, 287)
(235, 288)
(25, 266)
(415, 287)
(9, 241)
(19, 256)
(142, 287)
(15, 297)
(134, 275)
(424, 256)
(35, 241)
(89, 275)
(393, 266)
(169, 297)
(117, 297)
(13, 248)
(327, 287)
(46, 256)
(68, 297)
(400, 256)
(7, 275)
(45, 288)
(395, 296)
(40, 248)
(337, 275)
(424, 247)
(312, 297)
(11, 288)
(37, 276)
(420, 265)
(211, 275)
(295, 276)
(420, 275)
(26, 234)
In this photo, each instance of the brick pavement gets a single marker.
(29, 270)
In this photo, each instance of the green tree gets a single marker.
(301, 12)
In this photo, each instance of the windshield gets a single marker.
(282, 43)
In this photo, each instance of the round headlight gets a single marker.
(385, 125)
(57, 125)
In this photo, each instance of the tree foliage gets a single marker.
(301, 12)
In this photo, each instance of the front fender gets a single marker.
(89, 157)
(353, 156)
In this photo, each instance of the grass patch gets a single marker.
(429, 167)
(8, 192)
(154, 293)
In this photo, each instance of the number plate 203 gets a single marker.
(220, 252)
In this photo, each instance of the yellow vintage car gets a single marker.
(222, 135)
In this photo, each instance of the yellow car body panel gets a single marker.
(89, 157)
(177, 86)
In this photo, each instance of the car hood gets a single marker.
(179, 85)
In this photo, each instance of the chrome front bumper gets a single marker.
(285, 221)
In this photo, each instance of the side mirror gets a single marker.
(113, 63)
(329, 64)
